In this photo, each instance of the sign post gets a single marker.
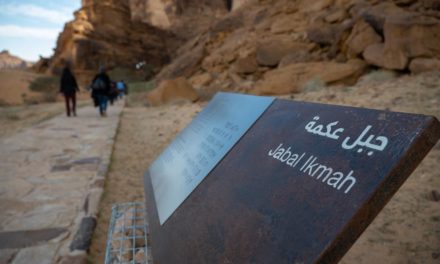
(298, 184)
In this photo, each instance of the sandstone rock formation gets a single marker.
(290, 79)
(103, 34)
(362, 36)
(120, 33)
(240, 45)
(419, 65)
(9, 61)
(182, 17)
(172, 90)
(275, 47)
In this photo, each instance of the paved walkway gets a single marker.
(51, 180)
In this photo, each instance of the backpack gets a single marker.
(98, 84)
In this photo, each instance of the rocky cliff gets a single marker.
(104, 34)
(278, 47)
(9, 61)
(120, 33)
(255, 46)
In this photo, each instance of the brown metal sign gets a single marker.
(299, 187)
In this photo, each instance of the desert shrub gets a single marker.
(137, 93)
(126, 74)
(45, 84)
(313, 85)
(138, 87)
(378, 76)
(48, 86)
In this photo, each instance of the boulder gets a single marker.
(323, 33)
(377, 14)
(391, 59)
(200, 80)
(296, 56)
(419, 65)
(373, 54)
(288, 23)
(336, 15)
(291, 78)
(229, 23)
(246, 65)
(430, 4)
(362, 36)
(172, 90)
(407, 35)
(413, 34)
(271, 52)
(330, 34)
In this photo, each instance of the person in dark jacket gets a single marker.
(101, 89)
(68, 88)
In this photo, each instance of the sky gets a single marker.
(30, 28)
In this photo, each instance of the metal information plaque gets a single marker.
(299, 186)
(200, 146)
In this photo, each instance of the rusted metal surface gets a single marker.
(256, 206)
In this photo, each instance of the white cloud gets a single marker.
(28, 32)
(29, 10)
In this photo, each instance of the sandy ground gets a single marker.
(14, 86)
(406, 231)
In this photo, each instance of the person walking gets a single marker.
(69, 87)
(101, 89)
(122, 88)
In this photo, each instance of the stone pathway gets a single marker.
(51, 180)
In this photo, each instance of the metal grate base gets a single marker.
(127, 235)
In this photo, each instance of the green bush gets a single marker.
(138, 87)
(48, 86)
(45, 84)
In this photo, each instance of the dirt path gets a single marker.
(406, 231)
(142, 134)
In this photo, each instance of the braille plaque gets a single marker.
(300, 186)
